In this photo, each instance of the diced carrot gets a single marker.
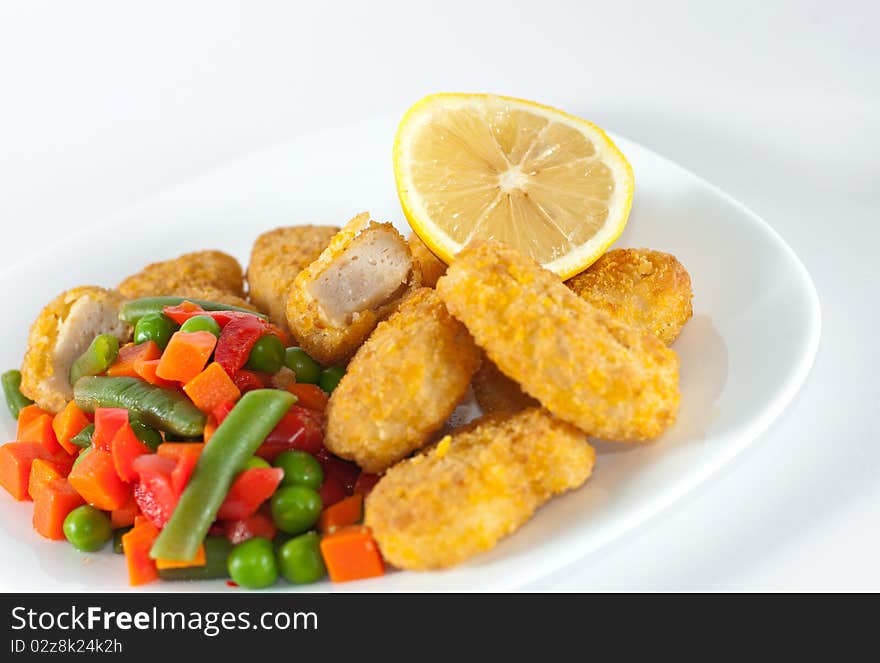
(40, 430)
(108, 421)
(124, 515)
(27, 415)
(146, 369)
(16, 459)
(198, 560)
(351, 554)
(52, 503)
(123, 367)
(186, 355)
(95, 478)
(210, 428)
(342, 514)
(124, 448)
(175, 450)
(211, 387)
(310, 396)
(136, 544)
(42, 472)
(67, 423)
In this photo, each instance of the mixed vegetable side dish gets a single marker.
(303, 425)
(197, 449)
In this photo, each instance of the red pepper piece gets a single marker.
(186, 310)
(153, 492)
(235, 342)
(300, 429)
(331, 491)
(249, 380)
(346, 472)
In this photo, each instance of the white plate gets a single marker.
(744, 355)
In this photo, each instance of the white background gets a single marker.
(105, 103)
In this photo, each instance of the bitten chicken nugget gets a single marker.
(432, 267)
(358, 280)
(60, 334)
(495, 392)
(213, 269)
(463, 495)
(277, 257)
(402, 384)
(604, 377)
(647, 290)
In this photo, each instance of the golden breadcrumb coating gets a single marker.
(647, 290)
(432, 267)
(318, 295)
(607, 379)
(463, 495)
(402, 384)
(276, 258)
(198, 269)
(63, 330)
(495, 392)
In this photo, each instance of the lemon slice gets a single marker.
(552, 185)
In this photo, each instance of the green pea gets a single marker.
(156, 327)
(87, 528)
(147, 435)
(267, 355)
(300, 561)
(117, 539)
(306, 369)
(300, 468)
(201, 323)
(255, 462)
(330, 378)
(252, 563)
(295, 509)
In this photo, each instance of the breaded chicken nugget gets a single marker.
(472, 489)
(647, 290)
(60, 334)
(495, 392)
(277, 257)
(212, 294)
(358, 280)
(402, 384)
(432, 267)
(199, 269)
(604, 377)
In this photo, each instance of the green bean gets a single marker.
(16, 400)
(217, 550)
(134, 310)
(147, 435)
(234, 441)
(160, 408)
(97, 358)
(84, 437)
(117, 539)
